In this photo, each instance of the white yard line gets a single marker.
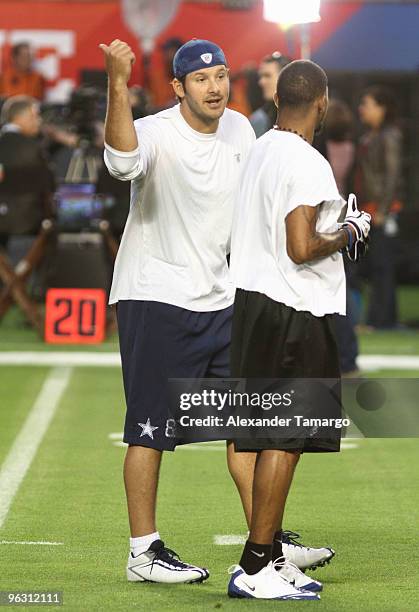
(112, 359)
(33, 543)
(60, 358)
(26, 444)
(388, 362)
(229, 540)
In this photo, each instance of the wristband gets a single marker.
(350, 237)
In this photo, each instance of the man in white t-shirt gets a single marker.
(288, 270)
(171, 281)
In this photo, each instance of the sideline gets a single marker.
(109, 360)
(28, 440)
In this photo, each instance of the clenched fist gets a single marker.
(119, 60)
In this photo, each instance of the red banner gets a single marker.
(66, 35)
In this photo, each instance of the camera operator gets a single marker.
(26, 182)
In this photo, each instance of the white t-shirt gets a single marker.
(283, 172)
(177, 235)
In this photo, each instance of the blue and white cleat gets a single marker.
(290, 572)
(304, 557)
(266, 584)
(160, 564)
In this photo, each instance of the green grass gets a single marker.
(390, 374)
(363, 502)
(407, 304)
(389, 343)
(16, 335)
(408, 300)
(18, 387)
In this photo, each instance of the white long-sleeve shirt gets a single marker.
(177, 235)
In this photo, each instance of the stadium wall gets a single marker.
(351, 36)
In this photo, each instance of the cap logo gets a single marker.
(206, 58)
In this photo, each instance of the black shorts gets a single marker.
(160, 341)
(272, 340)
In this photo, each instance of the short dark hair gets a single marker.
(16, 49)
(183, 81)
(15, 106)
(300, 84)
(385, 98)
(276, 58)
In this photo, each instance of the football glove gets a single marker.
(360, 222)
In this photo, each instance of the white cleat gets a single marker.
(160, 564)
(290, 572)
(266, 584)
(302, 556)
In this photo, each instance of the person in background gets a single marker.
(20, 78)
(263, 118)
(26, 183)
(378, 186)
(337, 145)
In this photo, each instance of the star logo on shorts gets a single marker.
(147, 429)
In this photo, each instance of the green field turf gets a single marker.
(364, 502)
(16, 335)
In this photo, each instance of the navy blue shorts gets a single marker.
(157, 342)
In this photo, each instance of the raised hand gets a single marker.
(119, 59)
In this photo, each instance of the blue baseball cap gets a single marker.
(195, 55)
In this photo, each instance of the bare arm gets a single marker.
(120, 132)
(304, 243)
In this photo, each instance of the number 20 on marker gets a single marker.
(75, 316)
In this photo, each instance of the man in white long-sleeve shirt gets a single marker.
(171, 281)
